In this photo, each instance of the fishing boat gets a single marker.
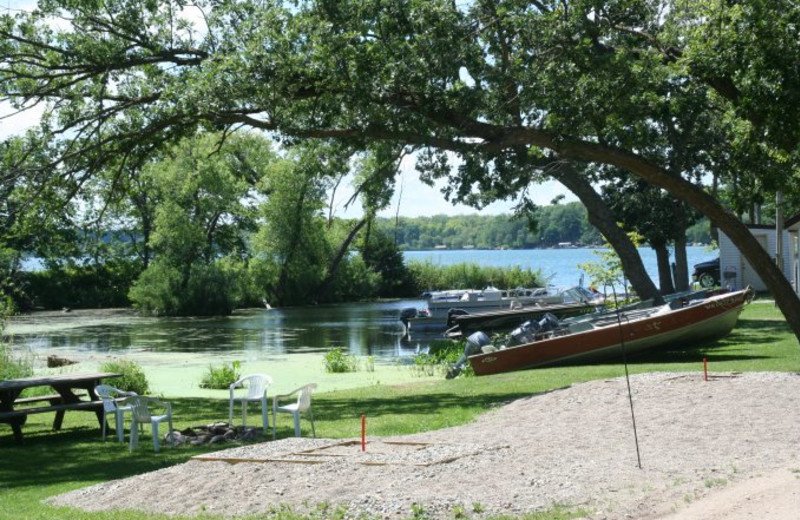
(441, 306)
(586, 340)
(462, 325)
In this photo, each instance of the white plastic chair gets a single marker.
(255, 390)
(112, 404)
(302, 404)
(141, 407)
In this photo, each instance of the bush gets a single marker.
(82, 286)
(133, 378)
(337, 362)
(157, 290)
(440, 357)
(162, 291)
(354, 281)
(222, 377)
(11, 367)
(381, 254)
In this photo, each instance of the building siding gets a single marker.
(739, 270)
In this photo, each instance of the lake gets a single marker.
(560, 266)
(262, 339)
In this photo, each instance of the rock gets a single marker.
(218, 429)
(55, 362)
(214, 433)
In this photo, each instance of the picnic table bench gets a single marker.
(66, 398)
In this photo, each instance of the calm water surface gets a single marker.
(560, 266)
(364, 329)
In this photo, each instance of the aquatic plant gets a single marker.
(221, 378)
(133, 378)
(11, 366)
(439, 358)
(337, 362)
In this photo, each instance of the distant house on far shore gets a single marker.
(736, 271)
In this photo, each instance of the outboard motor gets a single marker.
(408, 313)
(548, 323)
(452, 313)
(525, 333)
(475, 342)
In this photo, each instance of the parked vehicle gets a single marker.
(707, 273)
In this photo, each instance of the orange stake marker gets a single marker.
(363, 432)
(705, 369)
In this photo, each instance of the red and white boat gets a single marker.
(593, 339)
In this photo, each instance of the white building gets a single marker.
(735, 270)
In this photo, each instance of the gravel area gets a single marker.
(575, 447)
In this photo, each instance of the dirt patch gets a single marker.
(698, 440)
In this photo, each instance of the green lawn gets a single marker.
(54, 462)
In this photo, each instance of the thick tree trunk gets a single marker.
(333, 266)
(681, 264)
(664, 269)
(600, 216)
(785, 297)
(281, 287)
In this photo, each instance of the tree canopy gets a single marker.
(491, 94)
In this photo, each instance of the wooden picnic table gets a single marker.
(71, 391)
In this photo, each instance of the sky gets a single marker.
(417, 199)
(413, 197)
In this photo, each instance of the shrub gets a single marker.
(133, 377)
(11, 367)
(440, 357)
(162, 290)
(222, 377)
(157, 290)
(83, 286)
(354, 281)
(337, 362)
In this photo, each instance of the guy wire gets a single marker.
(627, 376)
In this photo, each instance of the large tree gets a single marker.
(204, 213)
(500, 83)
(292, 238)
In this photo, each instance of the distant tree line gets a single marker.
(554, 224)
